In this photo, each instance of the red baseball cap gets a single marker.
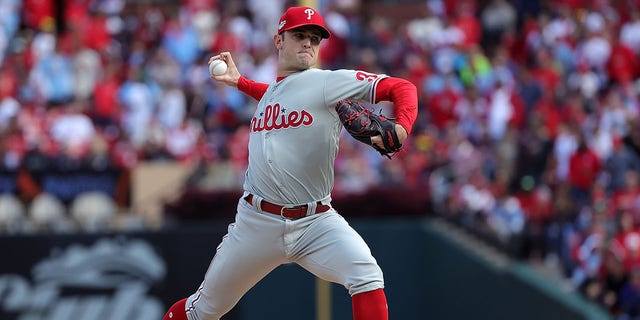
(302, 16)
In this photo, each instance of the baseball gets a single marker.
(217, 67)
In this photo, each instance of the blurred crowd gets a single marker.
(528, 131)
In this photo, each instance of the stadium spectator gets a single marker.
(630, 296)
(584, 168)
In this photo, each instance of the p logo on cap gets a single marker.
(296, 17)
(309, 13)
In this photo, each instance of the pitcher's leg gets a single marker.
(242, 259)
(333, 251)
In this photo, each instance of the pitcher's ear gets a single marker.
(277, 40)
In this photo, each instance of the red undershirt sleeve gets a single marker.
(404, 96)
(251, 88)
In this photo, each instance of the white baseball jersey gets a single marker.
(295, 131)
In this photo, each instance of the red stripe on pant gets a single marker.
(370, 305)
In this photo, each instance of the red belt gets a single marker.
(287, 212)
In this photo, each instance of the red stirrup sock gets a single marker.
(176, 312)
(370, 305)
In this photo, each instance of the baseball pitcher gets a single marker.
(285, 213)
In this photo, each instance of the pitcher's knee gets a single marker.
(365, 287)
(370, 280)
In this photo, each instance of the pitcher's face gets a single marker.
(298, 48)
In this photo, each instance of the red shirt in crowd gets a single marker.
(628, 246)
(518, 119)
(626, 199)
(441, 107)
(548, 77)
(537, 204)
(547, 111)
(8, 84)
(106, 98)
(36, 13)
(469, 24)
(97, 36)
(622, 65)
(584, 167)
